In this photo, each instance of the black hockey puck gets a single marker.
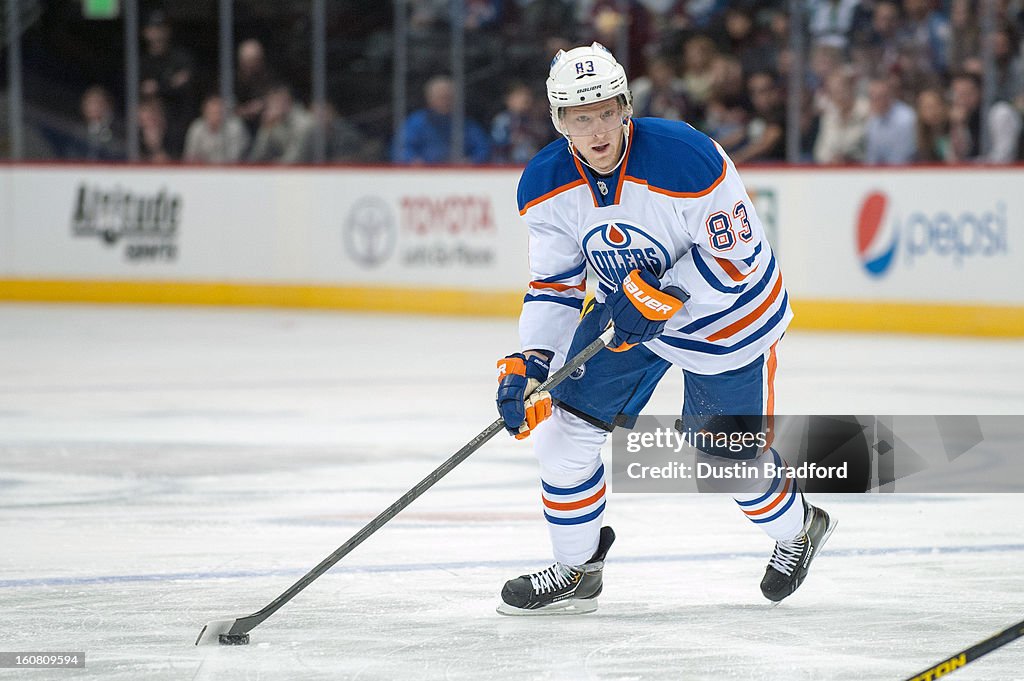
(234, 639)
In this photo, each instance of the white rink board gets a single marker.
(956, 234)
(338, 226)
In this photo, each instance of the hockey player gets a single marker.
(658, 212)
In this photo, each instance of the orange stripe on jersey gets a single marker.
(733, 271)
(583, 179)
(749, 319)
(625, 163)
(681, 195)
(552, 193)
(558, 287)
(574, 505)
(770, 407)
(782, 495)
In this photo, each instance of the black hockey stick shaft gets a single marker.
(243, 625)
(971, 654)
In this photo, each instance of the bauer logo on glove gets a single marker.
(519, 404)
(640, 309)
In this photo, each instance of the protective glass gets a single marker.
(594, 121)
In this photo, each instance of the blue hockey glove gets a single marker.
(639, 308)
(517, 376)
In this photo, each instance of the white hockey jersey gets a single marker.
(675, 206)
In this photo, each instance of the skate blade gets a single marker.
(572, 606)
(832, 522)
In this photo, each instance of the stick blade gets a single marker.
(212, 631)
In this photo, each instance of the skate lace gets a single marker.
(787, 554)
(551, 578)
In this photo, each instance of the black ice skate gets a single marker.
(791, 559)
(558, 589)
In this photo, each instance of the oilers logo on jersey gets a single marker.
(614, 249)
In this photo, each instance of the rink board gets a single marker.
(920, 250)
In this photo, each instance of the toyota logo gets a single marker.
(370, 232)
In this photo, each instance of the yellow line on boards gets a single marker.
(383, 299)
(925, 318)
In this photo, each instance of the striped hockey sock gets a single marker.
(574, 514)
(778, 507)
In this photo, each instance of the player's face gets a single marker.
(596, 132)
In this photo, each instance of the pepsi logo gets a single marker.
(875, 246)
(887, 235)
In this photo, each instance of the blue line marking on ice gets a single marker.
(465, 565)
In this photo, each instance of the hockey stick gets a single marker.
(236, 631)
(970, 654)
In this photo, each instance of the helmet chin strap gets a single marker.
(622, 153)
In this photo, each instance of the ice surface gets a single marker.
(164, 467)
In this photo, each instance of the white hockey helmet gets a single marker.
(585, 75)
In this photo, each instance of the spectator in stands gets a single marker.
(913, 72)
(483, 15)
(809, 123)
(928, 31)
(966, 33)
(725, 78)
(543, 19)
(286, 130)
(932, 127)
(743, 41)
(878, 51)
(699, 54)
(428, 16)
(689, 15)
(844, 120)
(252, 82)
(344, 143)
(1009, 64)
(825, 60)
(426, 134)
(166, 71)
(777, 22)
(725, 121)
(153, 131)
(1003, 123)
(661, 93)
(215, 137)
(102, 142)
(766, 131)
(522, 129)
(965, 117)
(891, 128)
(606, 20)
(1006, 134)
(831, 21)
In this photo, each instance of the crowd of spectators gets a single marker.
(886, 82)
